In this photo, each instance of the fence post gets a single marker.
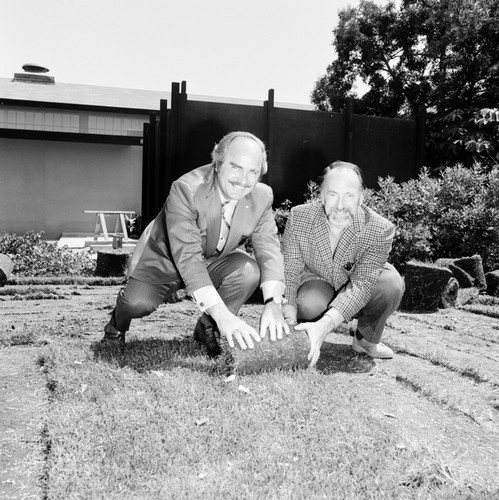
(181, 128)
(349, 131)
(268, 106)
(146, 175)
(420, 138)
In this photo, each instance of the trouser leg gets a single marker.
(314, 296)
(384, 302)
(235, 277)
(138, 299)
(312, 299)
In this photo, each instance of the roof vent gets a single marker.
(34, 74)
(34, 68)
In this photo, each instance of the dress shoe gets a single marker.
(373, 350)
(112, 335)
(207, 333)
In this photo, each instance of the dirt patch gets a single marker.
(440, 391)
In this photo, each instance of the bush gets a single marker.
(449, 216)
(32, 255)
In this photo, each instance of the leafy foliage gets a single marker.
(453, 215)
(32, 255)
(441, 55)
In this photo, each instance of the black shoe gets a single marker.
(207, 333)
(111, 335)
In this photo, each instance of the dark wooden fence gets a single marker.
(300, 144)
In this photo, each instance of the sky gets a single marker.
(224, 48)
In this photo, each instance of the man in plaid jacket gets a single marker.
(335, 261)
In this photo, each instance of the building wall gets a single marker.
(46, 185)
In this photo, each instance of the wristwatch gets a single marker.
(277, 300)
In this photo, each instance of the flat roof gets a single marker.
(93, 95)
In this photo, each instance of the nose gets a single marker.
(243, 179)
(339, 203)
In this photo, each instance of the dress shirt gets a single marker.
(207, 296)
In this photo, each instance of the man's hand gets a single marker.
(233, 327)
(317, 332)
(290, 314)
(273, 321)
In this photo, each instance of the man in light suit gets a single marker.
(335, 260)
(197, 242)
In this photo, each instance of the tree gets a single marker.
(439, 54)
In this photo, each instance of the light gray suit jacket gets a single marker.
(360, 255)
(186, 232)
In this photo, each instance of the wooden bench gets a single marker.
(101, 226)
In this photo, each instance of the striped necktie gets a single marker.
(224, 227)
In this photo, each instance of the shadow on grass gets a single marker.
(340, 358)
(150, 354)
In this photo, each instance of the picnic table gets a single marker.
(101, 226)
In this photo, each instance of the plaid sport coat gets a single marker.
(360, 255)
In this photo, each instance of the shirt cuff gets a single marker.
(335, 316)
(206, 296)
(272, 288)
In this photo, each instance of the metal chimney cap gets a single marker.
(35, 68)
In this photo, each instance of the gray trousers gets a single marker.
(314, 296)
(235, 276)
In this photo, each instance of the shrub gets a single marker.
(281, 215)
(32, 255)
(452, 215)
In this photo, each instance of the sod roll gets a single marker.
(424, 286)
(450, 294)
(444, 262)
(474, 267)
(462, 277)
(288, 353)
(492, 279)
(6, 267)
(111, 262)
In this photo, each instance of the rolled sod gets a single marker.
(492, 279)
(6, 267)
(450, 294)
(444, 262)
(463, 278)
(111, 262)
(290, 352)
(474, 267)
(424, 286)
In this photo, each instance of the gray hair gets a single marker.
(220, 150)
(342, 164)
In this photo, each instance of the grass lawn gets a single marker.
(158, 420)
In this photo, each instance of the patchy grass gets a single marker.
(65, 280)
(156, 419)
(31, 293)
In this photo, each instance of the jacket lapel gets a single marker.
(237, 224)
(321, 239)
(346, 251)
(213, 215)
